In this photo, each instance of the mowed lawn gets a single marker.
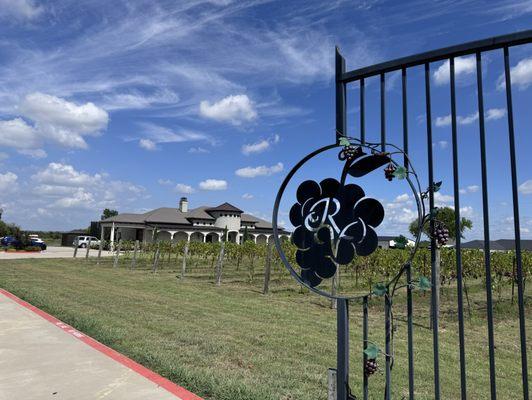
(231, 342)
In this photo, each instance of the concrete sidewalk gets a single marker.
(43, 358)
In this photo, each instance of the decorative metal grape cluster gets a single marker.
(370, 367)
(350, 152)
(389, 172)
(441, 233)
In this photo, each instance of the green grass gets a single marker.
(232, 343)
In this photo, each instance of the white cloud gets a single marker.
(20, 9)
(213, 184)
(443, 121)
(198, 150)
(443, 144)
(33, 153)
(521, 75)
(18, 134)
(138, 100)
(462, 66)
(147, 144)
(60, 186)
(55, 120)
(260, 146)
(442, 199)
(164, 182)
(491, 115)
(247, 196)
(402, 198)
(64, 122)
(467, 212)
(467, 120)
(263, 170)
(526, 187)
(235, 109)
(8, 181)
(65, 175)
(153, 135)
(470, 189)
(78, 199)
(185, 189)
(495, 113)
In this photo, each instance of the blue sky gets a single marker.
(131, 105)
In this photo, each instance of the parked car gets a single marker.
(11, 241)
(83, 241)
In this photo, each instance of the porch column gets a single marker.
(204, 237)
(268, 238)
(112, 239)
(188, 236)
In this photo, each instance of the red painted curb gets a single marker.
(115, 355)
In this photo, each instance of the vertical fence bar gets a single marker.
(383, 112)
(458, 242)
(340, 96)
(485, 215)
(362, 111)
(342, 375)
(410, 323)
(405, 117)
(388, 347)
(409, 305)
(365, 345)
(517, 229)
(434, 296)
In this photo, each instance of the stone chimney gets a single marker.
(183, 205)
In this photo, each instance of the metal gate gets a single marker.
(357, 78)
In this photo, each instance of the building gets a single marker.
(388, 242)
(498, 245)
(201, 224)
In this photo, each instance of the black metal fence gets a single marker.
(346, 79)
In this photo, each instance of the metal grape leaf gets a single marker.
(379, 289)
(400, 172)
(344, 141)
(372, 351)
(424, 283)
(367, 164)
(436, 186)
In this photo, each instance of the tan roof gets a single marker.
(169, 215)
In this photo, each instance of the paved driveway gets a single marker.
(53, 252)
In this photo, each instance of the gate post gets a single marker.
(342, 373)
(340, 96)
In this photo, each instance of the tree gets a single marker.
(445, 215)
(401, 241)
(8, 229)
(108, 213)
(245, 237)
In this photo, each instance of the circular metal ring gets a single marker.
(416, 190)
